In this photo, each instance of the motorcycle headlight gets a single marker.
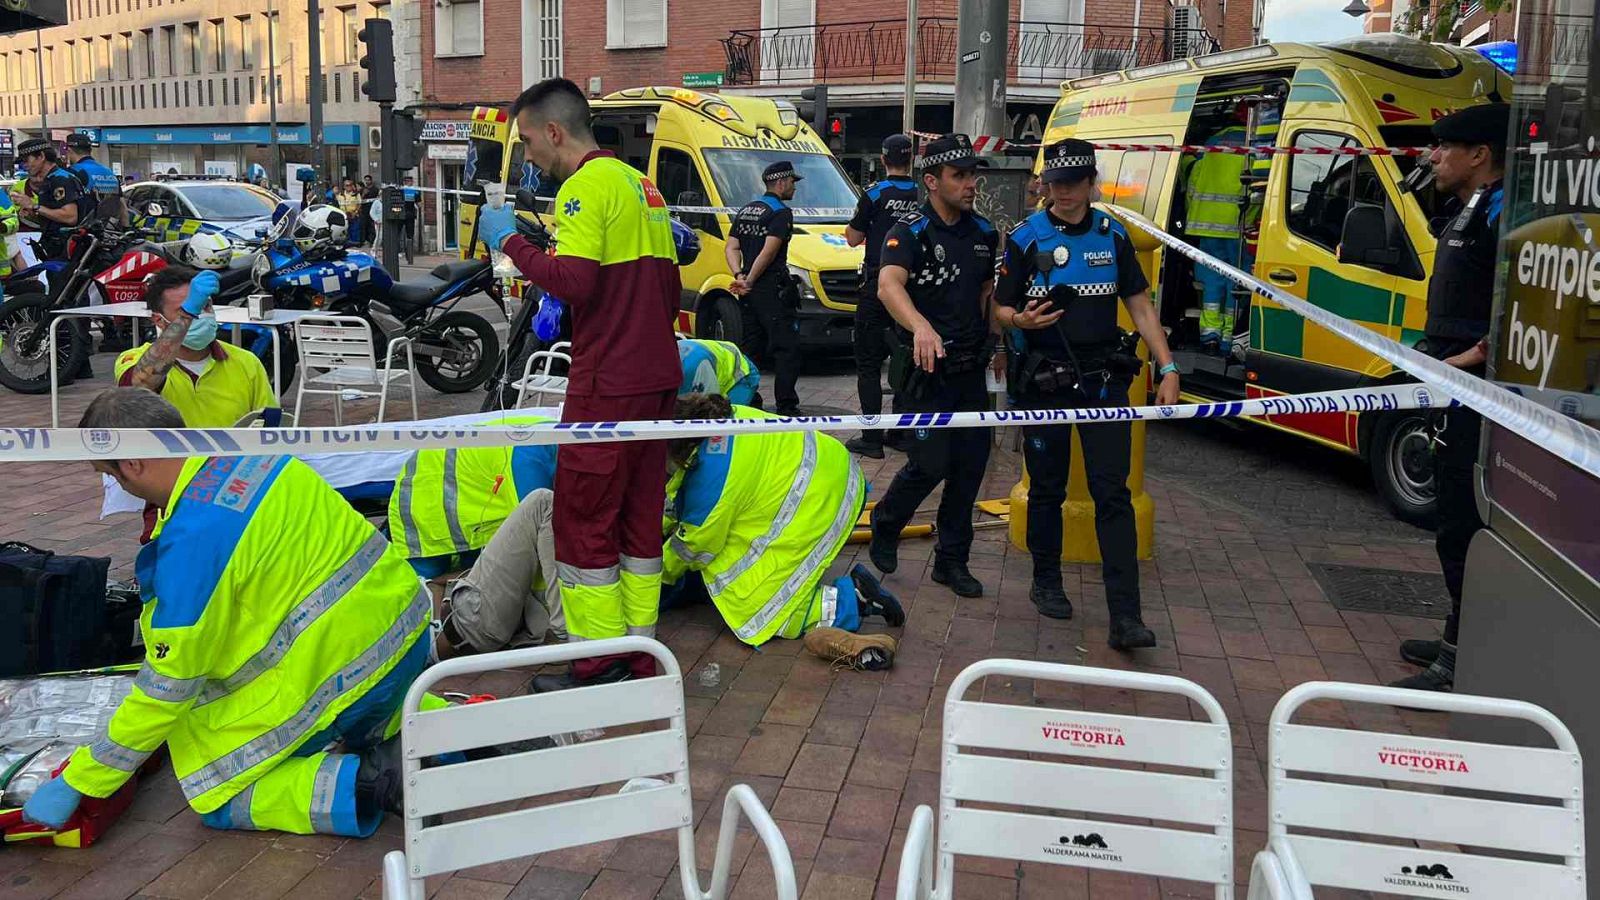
(802, 278)
(260, 269)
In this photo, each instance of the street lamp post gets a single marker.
(272, 96)
(38, 58)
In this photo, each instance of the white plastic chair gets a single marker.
(478, 838)
(1044, 836)
(542, 382)
(1293, 862)
(344, 349)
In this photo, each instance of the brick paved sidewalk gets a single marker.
(841, 759)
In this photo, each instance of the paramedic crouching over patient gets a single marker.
(1063, 271)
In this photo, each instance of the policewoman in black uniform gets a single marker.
(937, 281)
(56, 209)
(758, 257)
(878, 209)
(1065, 267)
(1469, 166)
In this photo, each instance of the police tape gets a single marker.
(994, 144)
(1564, 437)
(805, 212)
(72, 444)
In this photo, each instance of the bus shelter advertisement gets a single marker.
(1547, 345)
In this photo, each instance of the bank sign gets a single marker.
(242, 134)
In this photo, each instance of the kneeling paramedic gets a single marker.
(718, 367)
(448, 503)
(1064, 269)
(277, 622)
(936, 280)
(761, 517)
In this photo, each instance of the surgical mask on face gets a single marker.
(202, 331)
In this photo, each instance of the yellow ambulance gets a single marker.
(707, 150)
(1367, 91)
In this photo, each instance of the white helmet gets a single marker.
(208, 251)
(319, 226)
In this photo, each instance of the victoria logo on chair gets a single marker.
(1083, 735)
(1434, 878)
(1083, 846)
(1423, 760)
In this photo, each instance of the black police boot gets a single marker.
(1430, 679)
(955, 576)
(874, 600)
(1128, 633)
(615, 671)
(884, 549)
(1050, 600)
(379, 777)
(863, 447)
(1421, 653)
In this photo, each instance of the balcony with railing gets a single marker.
(1043, 53)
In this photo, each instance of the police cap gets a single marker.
(34, 145)
(1485, 123)
(79, 141)
(897, 149)
(780, 170)
(1070, 160)
(950, 150)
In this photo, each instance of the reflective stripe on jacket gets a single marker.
(1214, 189)
(711, 367)
(761, 516)
(270, 606)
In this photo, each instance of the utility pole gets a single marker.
(314, 51)
(272, 97)
(908, 116)
(981, 68)
(38, 56)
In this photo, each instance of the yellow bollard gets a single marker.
(1078, 543)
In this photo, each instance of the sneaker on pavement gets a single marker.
(883, 550)
(1429, 679)
(1130, 634)
(956, 577)
(1051, 601)
(863, 652)
(617, 670)
(864, 447)
(874, 600)
(1421, 653)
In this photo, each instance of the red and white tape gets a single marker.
(988, 143)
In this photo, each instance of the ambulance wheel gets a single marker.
(725, 322)
(1402, 466)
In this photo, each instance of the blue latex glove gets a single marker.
(547, 322)
(495, 225)
(52, 804)
(201, 289)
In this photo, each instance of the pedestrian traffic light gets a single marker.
(836, 127)
(377, 36)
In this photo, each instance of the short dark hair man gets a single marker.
(616, 269)
(937, 279)
(102, 191)
(1469, 167)
(878, 209)
(758, 257)
(1065, 267)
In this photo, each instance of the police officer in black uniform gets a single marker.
(1468, 166)
(55, 211)
(758, 256)
(879, 208)
(1064, 269)
(937, 280)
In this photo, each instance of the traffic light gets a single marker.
(813, 107)
(406, 137)
(836, 127)
(377, 36)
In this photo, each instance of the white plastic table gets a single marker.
(226, 315)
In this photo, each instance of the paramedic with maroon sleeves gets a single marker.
(615, 267)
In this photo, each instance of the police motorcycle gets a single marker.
(33, 294)
(303, 264)
(542, 320)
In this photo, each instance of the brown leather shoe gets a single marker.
(844, 649)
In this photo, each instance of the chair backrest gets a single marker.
(335, 342)
(477, 836)
(1045, 834)
(1535, 807)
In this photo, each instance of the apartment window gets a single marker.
(549, 38)
(185, 94)
(49, 67)
(125, 54)
(458, 28)
(636, 23)
(247, 43)
(163, 95)
(349, 29)
(191, 48)
(169, 49)
(338, 84)
(141, 95)
(252, 89)
(107, 63)
(211, 93)
(380, 10)
(147, 52)
(219, 46)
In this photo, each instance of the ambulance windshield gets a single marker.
(1408, 56)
